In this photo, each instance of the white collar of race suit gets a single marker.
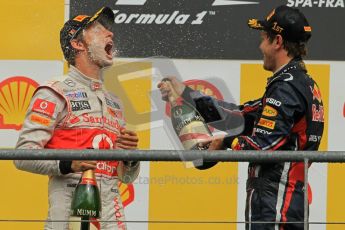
(85, 80)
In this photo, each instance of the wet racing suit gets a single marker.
(289, 116)
(76, 112)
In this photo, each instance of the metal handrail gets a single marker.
(183, 155)
(173, 155)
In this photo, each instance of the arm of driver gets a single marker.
(38, 128)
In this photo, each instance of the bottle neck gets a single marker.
(88, 175)
(173, 97)
(173, 102)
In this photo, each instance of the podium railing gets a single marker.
(182, 155)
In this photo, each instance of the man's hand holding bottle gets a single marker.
(80, 166)
(174, 86)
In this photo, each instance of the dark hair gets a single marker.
(294, 49)
(70, 55)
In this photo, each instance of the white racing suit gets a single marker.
(76, 112)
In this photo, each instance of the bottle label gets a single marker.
(193, 133)
(86, 212)
(184, 122)
(88, 181)
(189, 126)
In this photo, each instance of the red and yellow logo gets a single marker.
(40, 120)
(316, 93)
(15, 96)
(266, 123)
(127, 193)
(269, 111)
(88, 181)
(307, 28)
(80, 18)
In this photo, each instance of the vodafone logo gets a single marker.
(100, 140)
(44, 105)
(109, 168)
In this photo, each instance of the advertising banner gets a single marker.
(206, 44)
(212, 29)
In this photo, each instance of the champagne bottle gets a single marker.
(189, 126)
(86, 202)
(187, 122)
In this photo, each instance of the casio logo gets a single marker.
(273, 101)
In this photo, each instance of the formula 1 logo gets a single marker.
(174, 17)
(15, 96)
(290, 3)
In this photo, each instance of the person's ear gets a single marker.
(279, 40)
(77, 45)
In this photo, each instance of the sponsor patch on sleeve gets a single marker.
(44, 107)
(112, 104)
(40, 120)
(115, 113)
(266, 123)
(269, 111)
(273, 101)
